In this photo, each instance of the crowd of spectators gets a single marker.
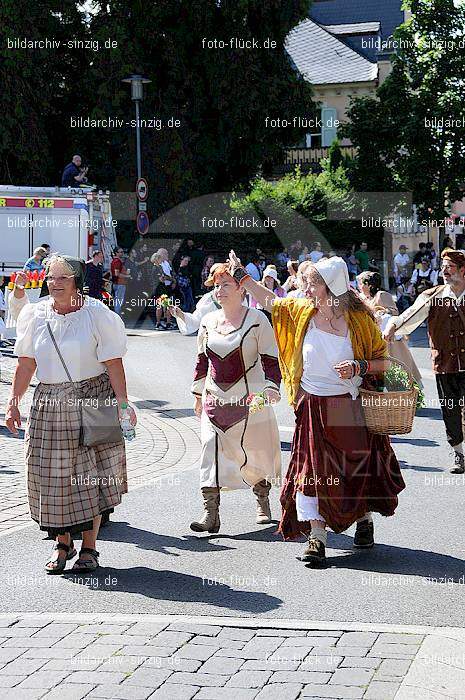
(356, 257)
(143, 277)
(414, 274)
(140, 279)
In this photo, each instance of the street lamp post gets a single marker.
(430, 211)
(137, 83)
(139, 158)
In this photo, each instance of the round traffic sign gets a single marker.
(142, 189)
(143, 222)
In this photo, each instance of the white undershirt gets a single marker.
(87, 338)
(166, 267)
(321, 351)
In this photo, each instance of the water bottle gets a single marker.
(129, 432)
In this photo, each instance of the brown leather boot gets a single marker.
(364, 535)
(314, 554)
(262, 491)
(210, 520)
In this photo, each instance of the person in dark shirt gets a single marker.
(420, 254)
(46, 247)
(185, 284)
(73, 174)
(197, 258)
(431, 253)
(94, 275)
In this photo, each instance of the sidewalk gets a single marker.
(165, 440)
(179, 658)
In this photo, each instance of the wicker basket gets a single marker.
(390, 412)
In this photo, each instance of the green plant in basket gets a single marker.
(396, 378)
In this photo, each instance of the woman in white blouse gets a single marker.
(70, 485)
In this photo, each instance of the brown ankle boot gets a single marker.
(261, 491)
(314, 554)
(210, 520)
(364, 535)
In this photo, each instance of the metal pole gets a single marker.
(139, 164)
(384, 263)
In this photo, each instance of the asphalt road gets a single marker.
(152, 563)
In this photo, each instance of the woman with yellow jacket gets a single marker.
(338, 472)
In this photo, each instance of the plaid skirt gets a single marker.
(69, 484)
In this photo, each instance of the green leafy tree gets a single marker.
(37, 86)
(335, 157)
(411, 138)
(225, 98)
(221, 96)
(302, 206)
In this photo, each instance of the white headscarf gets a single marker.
(270, 271)
(335, 274)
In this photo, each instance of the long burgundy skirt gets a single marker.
(336, 459)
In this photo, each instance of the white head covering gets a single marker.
(335, 273)
(270, 271)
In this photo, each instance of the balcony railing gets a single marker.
(309, 160)
(302, 156)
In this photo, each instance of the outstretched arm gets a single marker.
(264, 296)
(410, 319)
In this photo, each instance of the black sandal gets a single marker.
(57, 566)
(86, 565)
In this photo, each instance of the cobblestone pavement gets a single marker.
(165, 439)
(153, 657)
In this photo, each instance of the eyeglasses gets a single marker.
(58, 280)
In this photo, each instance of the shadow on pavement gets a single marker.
(155, 542)
(180, 412)
(269, 534)
(390, 559)
(418, 468)
(434, 413)
(4, 432)
(149, 404)
(419, 442)
(154, 404)
(4, 471)
(175, 586)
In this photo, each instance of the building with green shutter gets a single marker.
(343, 49)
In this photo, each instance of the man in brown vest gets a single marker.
(443, 307)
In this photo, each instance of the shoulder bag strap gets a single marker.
(59, 353)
